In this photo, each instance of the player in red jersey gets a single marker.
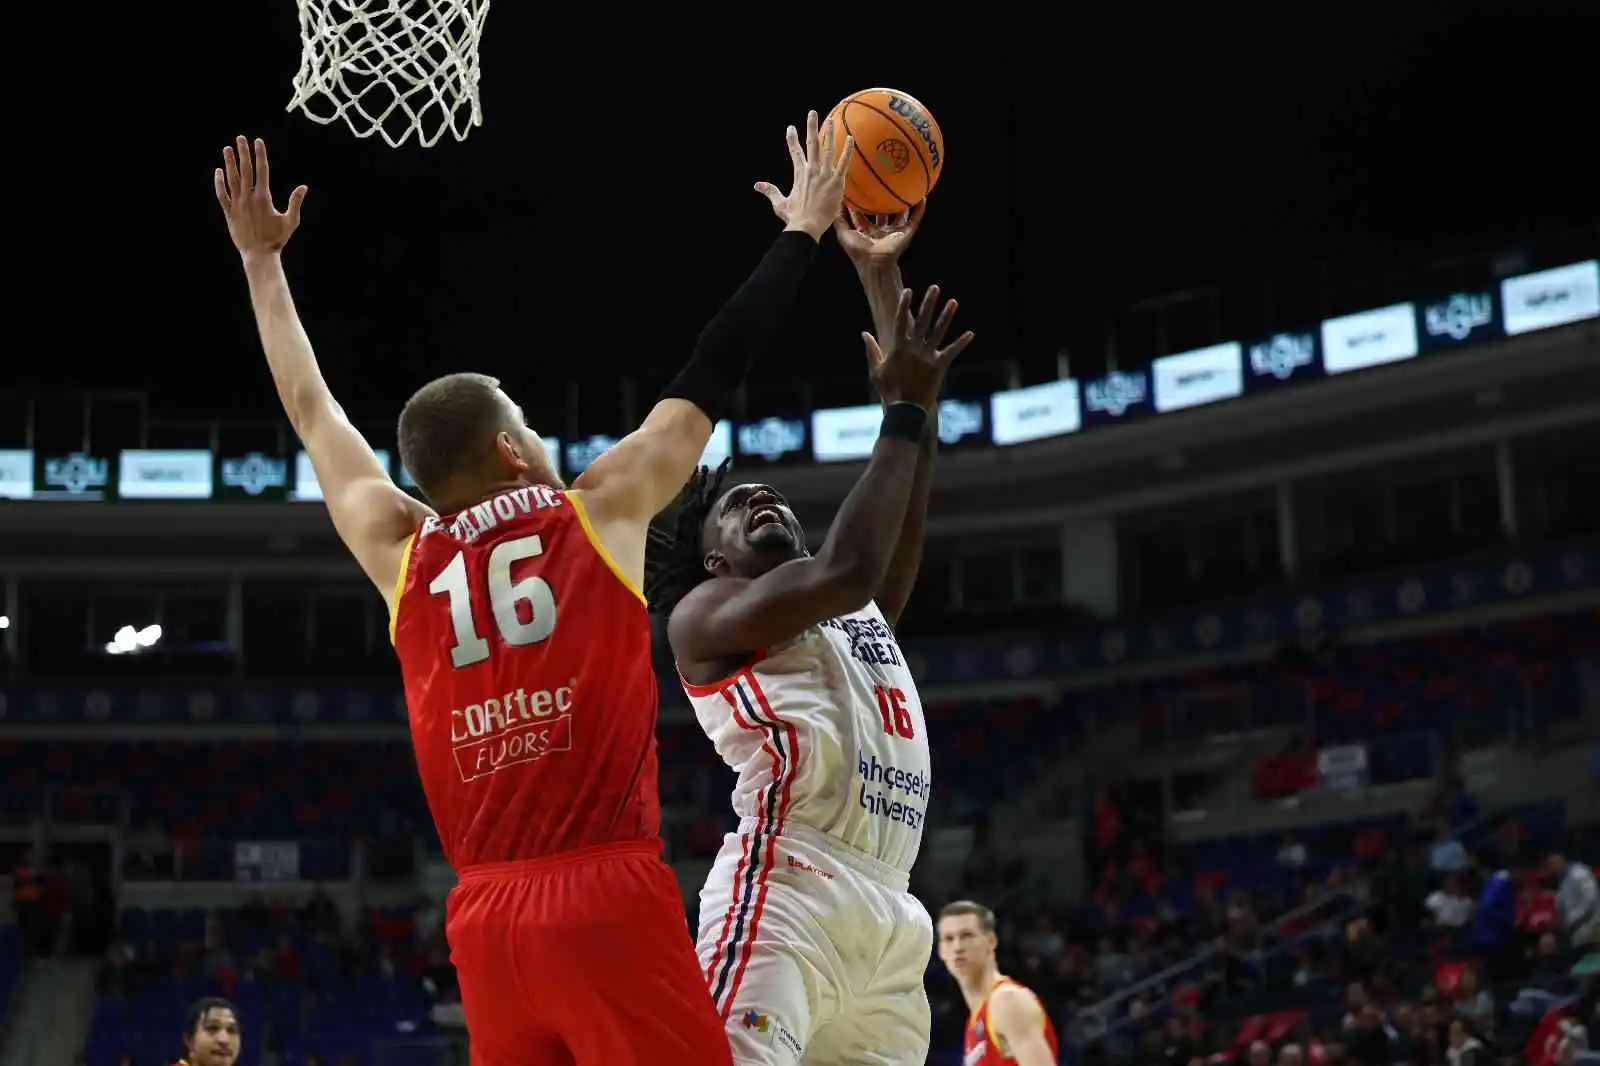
(211, 1034)
(1008, 1025)
(525, 647)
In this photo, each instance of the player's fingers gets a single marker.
(263, 177)
(941, 325)
(220, 183)
(830, 147)
(925, 312)
(874, 352)
(770, 191)
(845, 155)
(913, 217)
(296, 198)
(902, 312)
(959, 345)
(796, 156)
(812, 153)
(247, 173)
(230, 171)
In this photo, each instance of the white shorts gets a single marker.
(814, 953)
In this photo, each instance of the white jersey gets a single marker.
(827, 731)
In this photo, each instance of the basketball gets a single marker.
(899, 150)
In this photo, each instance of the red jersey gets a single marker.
(983, 1047)
(529, 687)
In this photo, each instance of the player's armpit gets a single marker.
(1017, 1016)
(730, 617)
(638, 477)
(370, 512)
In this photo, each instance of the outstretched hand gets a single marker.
(244, 190)
(909, 363)
(817, 193)
(877, 240)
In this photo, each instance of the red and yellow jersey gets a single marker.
(529, 687)
(983, 1046)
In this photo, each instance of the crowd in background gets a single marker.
(1452, 943)
(1458, 941)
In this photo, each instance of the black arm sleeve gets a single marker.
(743, 329)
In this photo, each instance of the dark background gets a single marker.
(1298, 162)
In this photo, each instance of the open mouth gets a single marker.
(762, 517)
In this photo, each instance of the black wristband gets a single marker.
(904, 421)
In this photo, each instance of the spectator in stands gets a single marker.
(1536, 909)
(1465, 1048)
(1577, 900)
(1474, 1004)
(1494, 927)
(1449, 907)
(1369, 1038)
(1292, 854)
(27, 903)
(1447, 856)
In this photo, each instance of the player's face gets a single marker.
(749, 531)
(215, 1041)
(523, 451)
(964, 947)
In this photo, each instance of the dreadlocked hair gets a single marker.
(672, 558)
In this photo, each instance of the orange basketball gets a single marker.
(899, 150)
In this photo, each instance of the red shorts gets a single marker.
(581, 960)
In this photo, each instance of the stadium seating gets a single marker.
(9, 965)
(369, 1002)
(300, 992)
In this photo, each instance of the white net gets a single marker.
(395, 68)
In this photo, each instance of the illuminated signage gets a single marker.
(252, 476)
(960, 421)
(842, 433)
(306, 489)
(16, 474)
(1369, 338)
(580, 453)
(1191, 379)
(1035, 412)
(145, 474)
(720, 446)
(1119, 395)
(76, 476)
(1280, 359)
(771, 439)
(1461, 318)
(1551, 298)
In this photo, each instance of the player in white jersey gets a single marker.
(813, 948)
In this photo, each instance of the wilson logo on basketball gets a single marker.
(919, 122)
(894, 154)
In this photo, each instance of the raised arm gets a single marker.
(875, 251)
(632, 482)
(373, 516)
(729, 617)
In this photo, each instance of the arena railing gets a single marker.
(1103, 1020)
(214, 861)
(443, 1049)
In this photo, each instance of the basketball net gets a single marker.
(395, 68)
